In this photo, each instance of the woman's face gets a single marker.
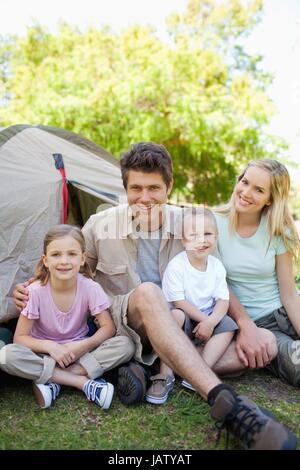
(253, 191)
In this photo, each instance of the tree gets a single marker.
(201, 95)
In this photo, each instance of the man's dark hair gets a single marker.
(147, 157)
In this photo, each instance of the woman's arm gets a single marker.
(288, 293)
(59, 352)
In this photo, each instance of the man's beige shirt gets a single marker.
(112, 246)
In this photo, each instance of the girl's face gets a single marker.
(253, 191)
(200, 236)
(63, 258)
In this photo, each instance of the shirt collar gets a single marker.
(171, 226)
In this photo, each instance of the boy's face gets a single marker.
(146, 193)
(199, 236)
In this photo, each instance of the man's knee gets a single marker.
(145, 294)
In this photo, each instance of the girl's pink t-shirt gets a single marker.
(63, 327)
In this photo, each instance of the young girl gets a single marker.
(51, 343)
(195, 281)
(257, 243)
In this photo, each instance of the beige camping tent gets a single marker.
(31, 194)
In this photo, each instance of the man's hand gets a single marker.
(204, 329)
(61, 354)
(20, 294)
(253, 347)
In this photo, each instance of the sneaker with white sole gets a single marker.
(46, 393)
(100, 392)
(158, 392)
(187, 385)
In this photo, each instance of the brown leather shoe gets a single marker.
(256, 429)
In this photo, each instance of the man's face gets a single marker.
(146, 193)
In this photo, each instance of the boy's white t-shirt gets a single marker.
(181, 281)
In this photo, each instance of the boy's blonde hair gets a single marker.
(198, 211)
(59, 231)
(279, 220)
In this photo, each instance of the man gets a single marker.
(130, 246)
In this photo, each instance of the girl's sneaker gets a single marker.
(186, 384)
(100, 392)
(46, 393)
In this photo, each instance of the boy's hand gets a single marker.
(204, 329)
(20, 294)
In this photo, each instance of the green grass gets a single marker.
(182, 424)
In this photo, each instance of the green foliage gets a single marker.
(201, 95)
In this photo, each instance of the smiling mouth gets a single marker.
(243, 201)
(145, 208)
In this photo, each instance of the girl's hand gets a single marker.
(61, 354)
(204, 329)
(77, 348)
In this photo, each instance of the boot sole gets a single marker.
(130, 388)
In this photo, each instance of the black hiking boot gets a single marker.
(132, 383)
(256, 429)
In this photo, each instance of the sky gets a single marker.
(277, 38)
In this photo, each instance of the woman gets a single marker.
(258, 243)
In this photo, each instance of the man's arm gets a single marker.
(252, 347)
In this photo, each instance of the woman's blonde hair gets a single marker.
(59, 231)
(279, 220)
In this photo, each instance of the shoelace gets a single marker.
(55, 389)
(156, 381)
(244, 426)
(92, 390)
(161, 378)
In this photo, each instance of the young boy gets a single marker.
(195, 282)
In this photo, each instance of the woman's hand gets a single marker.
(253, 347)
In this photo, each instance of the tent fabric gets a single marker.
(31, 195)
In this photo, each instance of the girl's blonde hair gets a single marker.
(59, 231)
(279, 220)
